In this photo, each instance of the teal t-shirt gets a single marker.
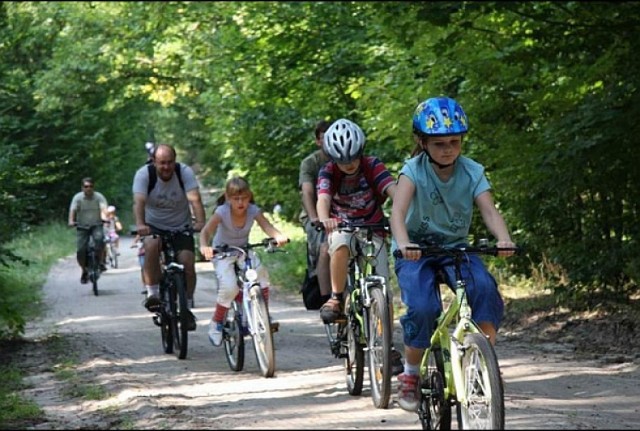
(440, 211)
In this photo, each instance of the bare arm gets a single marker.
(139, 202)
(271, 230)
(403, 195)
(198, 209)
(309, 200)
(206, 234)
(494, 221)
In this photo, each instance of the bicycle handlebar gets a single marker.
(268, 243)
(349, 225)
(438, 250)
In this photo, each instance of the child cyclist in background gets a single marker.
(112, 227)
(434, 204)
(230, 224)
(351, 187)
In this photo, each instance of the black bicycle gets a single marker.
(366, 326)
(92, 258)
(173, 315)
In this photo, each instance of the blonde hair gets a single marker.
(236, 186)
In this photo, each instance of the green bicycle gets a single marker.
(460, 368)
(366, 326)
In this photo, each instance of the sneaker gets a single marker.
(103, 267)
(330, 310)
(215, 333)
(397, 366)
(84, 278)
(408, 392)
(152, 303)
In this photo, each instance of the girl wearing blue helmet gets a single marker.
(433, 203)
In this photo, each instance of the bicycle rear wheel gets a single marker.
(434, 410)
(483, 406)
(354, 360)
(179, 315)
(233, 338)
(379, 348)
(261, 332)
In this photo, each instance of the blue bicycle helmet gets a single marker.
(439, 116)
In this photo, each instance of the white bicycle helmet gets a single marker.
(344, 141)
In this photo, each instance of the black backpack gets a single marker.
(153, 176)
(310, 291)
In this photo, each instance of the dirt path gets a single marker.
(118, 349)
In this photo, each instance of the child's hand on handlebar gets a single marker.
(410, 251)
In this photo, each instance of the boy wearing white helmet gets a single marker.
(350, 187)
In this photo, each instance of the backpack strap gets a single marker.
(153, 177)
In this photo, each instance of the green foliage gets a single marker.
(549, 87)
(20, 283)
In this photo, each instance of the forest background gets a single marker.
(550, 89)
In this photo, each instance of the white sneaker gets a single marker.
(215, 333)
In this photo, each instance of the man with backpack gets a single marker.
(165, 195)
(316, 288)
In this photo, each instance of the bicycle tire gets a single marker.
(434, 410)
(166, 330)
(181, 317)
(379, 347)
(354, 359)
(114, 255)
(484, 407)
(261, 332)
(94, 271)
(233, 338)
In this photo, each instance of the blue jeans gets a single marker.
(420, 294)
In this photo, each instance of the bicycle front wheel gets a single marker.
(113, 255)
(261, 332)
(483, 404)
(94, 271)
(179, 314)
(164, 319)
(233, 338)
(354, 360)
(379, 348)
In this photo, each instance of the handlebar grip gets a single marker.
(397, 253)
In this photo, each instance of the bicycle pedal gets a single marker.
(275, 327)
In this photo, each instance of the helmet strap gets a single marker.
(432, 160)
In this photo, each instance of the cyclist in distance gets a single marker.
(167, 205)
(88, 207)
(230, 224)
(113, 226)
(351, 187)
(317, 247)
(433, 203)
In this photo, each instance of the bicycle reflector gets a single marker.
(252, 275)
